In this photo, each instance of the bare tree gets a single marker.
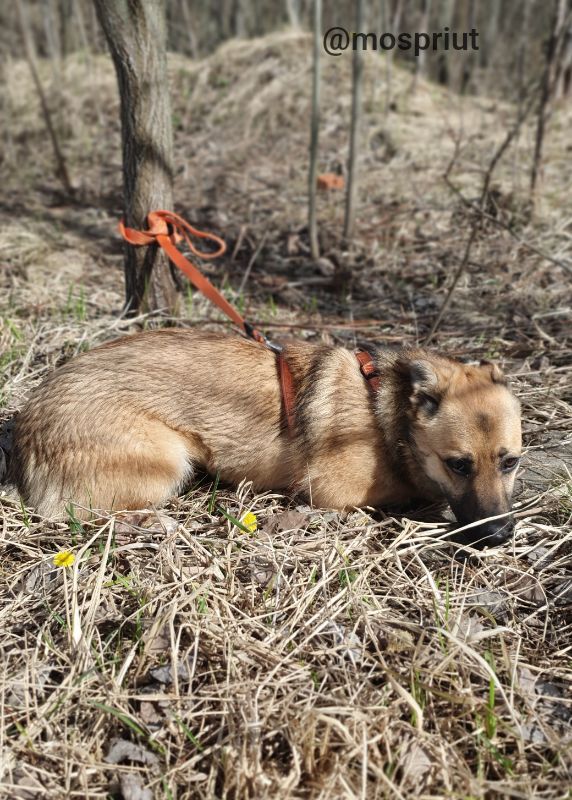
(189, 31)
(565, 78)
(61, 167)
(67, 35)
(293, 11)
(357, 75)
(445, 17)
(136, 34)
(421, 60)
(315, 126)
(395, 22)
(468, 62)
(478, 207)
(523, 48)
(491, 32)
(549, 82)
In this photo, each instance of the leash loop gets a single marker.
(170, 225)
(167, 229)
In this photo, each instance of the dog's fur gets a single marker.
(125, 424)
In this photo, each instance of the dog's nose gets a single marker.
(491, 534)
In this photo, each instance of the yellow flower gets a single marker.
(64, 558)
(249, 521)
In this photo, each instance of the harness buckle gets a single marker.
(254, 333)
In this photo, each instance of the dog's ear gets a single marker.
(426, 394)
(495, 372)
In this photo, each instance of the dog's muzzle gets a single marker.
(489, 534)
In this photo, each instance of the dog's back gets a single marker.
(121, 425)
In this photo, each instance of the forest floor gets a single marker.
(323, 655)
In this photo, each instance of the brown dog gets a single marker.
(125, 424)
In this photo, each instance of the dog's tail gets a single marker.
(6, 447)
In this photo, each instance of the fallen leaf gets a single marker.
(262, 570)
(286, 521)
(329, 180)
(150, 715)
(26, 786)
(165, 674)
(122, 750)
(157, 640)
(348, 640)
(529, 588)
(132, 787)
(132, 521)
(527, 680)
(416, 765)
(469, 626)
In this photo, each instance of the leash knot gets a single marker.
(166, 225)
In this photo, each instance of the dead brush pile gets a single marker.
(321, 655)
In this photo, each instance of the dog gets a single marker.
(127, 424)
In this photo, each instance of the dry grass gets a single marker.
(323, 655)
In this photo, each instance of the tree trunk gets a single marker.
(315, 126)
(357, 74)
(136, 34)
(491, 33)
(523, 48)
(468, 60)
(445, 17)
(67, 42)
(293, 11)
(421, 60)
(61, 166)
(549, 82)
(394, 28)
(565, 78)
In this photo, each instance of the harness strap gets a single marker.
(368, 369)
(287, 390)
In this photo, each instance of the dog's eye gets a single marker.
(509, 463)
(461, 466)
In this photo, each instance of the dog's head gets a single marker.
(465, 435)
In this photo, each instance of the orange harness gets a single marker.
(168, 229)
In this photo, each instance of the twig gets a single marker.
(549, 82)
(237, 246)
(499, 223)
(479, 208)
(252, 261)
(61, 168)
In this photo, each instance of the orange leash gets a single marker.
(159, 233)
(168, 229)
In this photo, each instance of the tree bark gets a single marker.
(61, 166)
(549, 82)
(315, 127)
(357, 74)
(421, 60)
(136, 34)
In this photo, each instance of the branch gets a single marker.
(479, 207)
